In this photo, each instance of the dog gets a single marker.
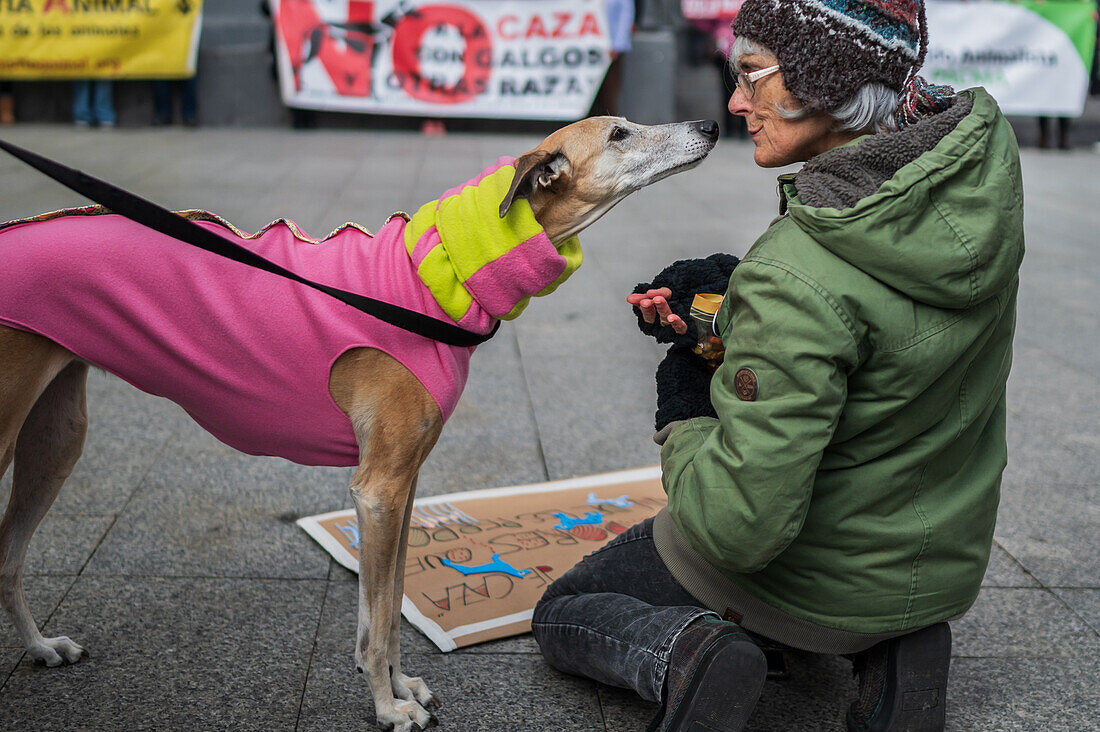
(378, 402)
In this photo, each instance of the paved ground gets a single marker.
(176, 562)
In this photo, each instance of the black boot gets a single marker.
(714, 678)
(903, 683)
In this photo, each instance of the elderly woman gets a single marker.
(834, 486)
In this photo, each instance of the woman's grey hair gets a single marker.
(871, 109)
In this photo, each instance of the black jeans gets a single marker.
(615, 615)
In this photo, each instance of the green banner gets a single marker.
(1033, 56)
(1076, 17)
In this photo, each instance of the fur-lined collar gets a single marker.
(843, 176)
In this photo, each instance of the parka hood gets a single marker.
(933, 210)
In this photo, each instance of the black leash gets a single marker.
(161, 219)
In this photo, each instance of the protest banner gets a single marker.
(99, 39)
(710, 9)
(1033, 56)
(479, 561)
(452, 58)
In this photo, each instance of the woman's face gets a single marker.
(780, 141)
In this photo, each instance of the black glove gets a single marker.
(686, 278)
(683, 388)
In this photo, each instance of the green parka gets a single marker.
(857, 488)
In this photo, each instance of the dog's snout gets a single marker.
(709, 128)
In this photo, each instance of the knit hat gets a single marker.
(828, 49)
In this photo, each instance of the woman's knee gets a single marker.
(589, 574)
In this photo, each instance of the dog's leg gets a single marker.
(396, 423)
(380, 507)
(405, 687)
(49, 442)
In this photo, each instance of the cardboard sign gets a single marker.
(479, 561)
(451, 58)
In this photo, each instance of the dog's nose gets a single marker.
(709, 128)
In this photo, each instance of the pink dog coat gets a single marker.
(248, 353)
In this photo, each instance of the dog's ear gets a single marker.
(538, 168)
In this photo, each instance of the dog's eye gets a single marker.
(619, 133)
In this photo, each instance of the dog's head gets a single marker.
(579, 172)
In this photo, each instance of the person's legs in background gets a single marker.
(1044, 133)
(1063, 133)
(82, 103)
(103, 105)
(7, 103)
(162, 102)
(303, 119)
(189, 101)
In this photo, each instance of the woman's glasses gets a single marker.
(746, 82)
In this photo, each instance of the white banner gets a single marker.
(522, 59)
(1029, 63)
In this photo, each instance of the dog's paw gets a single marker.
(56, 651)
(413, 688)
(407, 716)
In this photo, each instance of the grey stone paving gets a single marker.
(176, 561)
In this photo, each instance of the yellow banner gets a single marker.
(99, 39)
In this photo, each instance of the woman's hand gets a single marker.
(654, 305)
(663, 306)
